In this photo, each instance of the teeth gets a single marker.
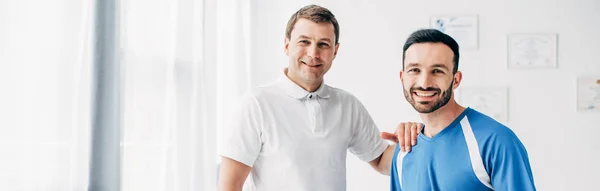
(424, 94)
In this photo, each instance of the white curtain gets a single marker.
(185, 60)
(233, 59)
(162, 52)
(186, 63)
(45, 80)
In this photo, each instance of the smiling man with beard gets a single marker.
(459, 148)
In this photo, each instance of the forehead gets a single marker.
(305, 27)
(428, 54)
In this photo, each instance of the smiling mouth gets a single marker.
(425, 94)
(311, 65)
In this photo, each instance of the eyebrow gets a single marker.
(412, 65)
(323, 39)
(327, 39)
(303, 37)
(440, 66)
(434, 66)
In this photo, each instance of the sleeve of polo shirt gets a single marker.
(241, 139)
(366, 142)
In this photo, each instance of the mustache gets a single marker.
(438, 90)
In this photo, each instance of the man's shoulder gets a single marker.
(254, 97)
(495, 140)
(341, 93)
(265, 91)
(485, 127)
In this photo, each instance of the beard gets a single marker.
(429, 106)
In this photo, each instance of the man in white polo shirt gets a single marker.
(293, 134)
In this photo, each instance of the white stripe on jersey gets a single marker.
(476, 161)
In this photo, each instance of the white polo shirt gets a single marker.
(296, 140)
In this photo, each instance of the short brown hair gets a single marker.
(316, 14)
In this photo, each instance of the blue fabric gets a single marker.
(442, 162)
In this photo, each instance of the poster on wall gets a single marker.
(531, 51)
(492, 101)
(588, 93)
(464, 29)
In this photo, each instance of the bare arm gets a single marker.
(406, 136)
(232, 175)
(383, 163)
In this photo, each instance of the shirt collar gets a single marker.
(294, 90)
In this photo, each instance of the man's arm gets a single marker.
(406, 136)
(510, 167)
(241, 145)
(232, 175)
(383, 163)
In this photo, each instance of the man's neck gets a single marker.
(438, 120)
(309, 87)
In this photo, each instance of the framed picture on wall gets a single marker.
(492, 101)
(463, 28)
(532, 51)
(588, 93)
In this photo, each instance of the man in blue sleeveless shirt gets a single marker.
(459, 148)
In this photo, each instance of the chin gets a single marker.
(312, 76)
(426, 111)
(426, 108)
(423, 110)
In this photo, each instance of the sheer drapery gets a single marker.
(185, 62)
(45, 75)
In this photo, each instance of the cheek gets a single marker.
(406, 86)
(408, 82)
(327, 54)
(297, 51)
(328, 51)
(443, 84)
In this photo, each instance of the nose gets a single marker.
(313, 51)
(425, 80)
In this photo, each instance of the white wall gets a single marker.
(560, 141)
